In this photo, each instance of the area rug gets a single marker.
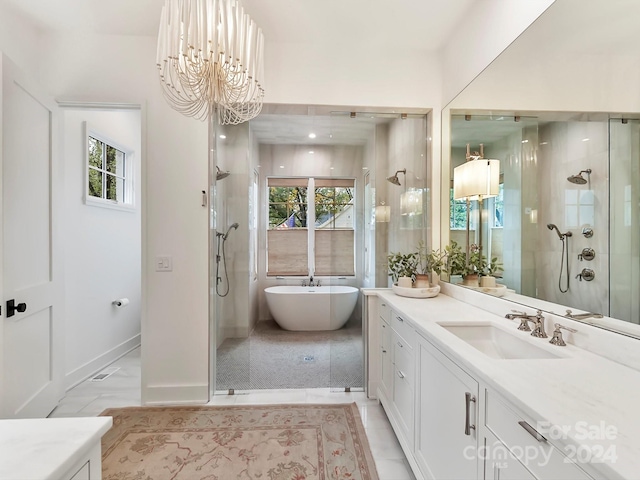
(266, 442)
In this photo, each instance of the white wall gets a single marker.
(103, 250)
(103, 68)
(20, 41)
(487, 29)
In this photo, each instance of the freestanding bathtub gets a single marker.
(311, 308)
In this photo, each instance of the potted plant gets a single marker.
(429, 262)
(402, 268)
(456, 259)
(488, 279)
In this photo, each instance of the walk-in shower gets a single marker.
(579, 179)
(564, 259)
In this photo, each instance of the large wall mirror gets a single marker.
(560, 110)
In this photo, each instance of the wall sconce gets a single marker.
(411, 202)
(383, 213)
(476, 179)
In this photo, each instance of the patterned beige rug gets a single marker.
(267, 442)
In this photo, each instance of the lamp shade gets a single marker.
(475, 179)
(383, 213)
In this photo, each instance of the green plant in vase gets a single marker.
(488, 278)
(474, 267)
(429, 262)
(402, 267)
(456, 259)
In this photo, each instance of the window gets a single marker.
(109, 173)
(311, 226)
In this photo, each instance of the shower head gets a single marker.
(220, 174)
(394, 179)
(579, 179)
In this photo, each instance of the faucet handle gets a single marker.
(557, 339)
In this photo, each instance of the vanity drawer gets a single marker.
(384, 310)
(403, 329)
(404, 361)
(519, 435)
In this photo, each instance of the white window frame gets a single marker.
(129, 204)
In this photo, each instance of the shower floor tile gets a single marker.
(273, 358)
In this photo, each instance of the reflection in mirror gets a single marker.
(561, 175)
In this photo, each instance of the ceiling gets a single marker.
(414, 24)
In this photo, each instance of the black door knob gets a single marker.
(12, 308)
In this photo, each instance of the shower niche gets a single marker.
(564, 225)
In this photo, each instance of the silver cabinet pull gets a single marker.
(532, 431)
(383, 304)
(384, 326)
(400, 374)
(384, 351)
(400, 345)
(399, 319)
(468, 398)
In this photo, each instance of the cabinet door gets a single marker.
(403, 388)
(386, 359)
(500, 464)
(446, 449)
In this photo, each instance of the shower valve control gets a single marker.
(587, 254)
(587, 232)
(586, 274)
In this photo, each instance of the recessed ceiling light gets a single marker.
(525, 141)
(223, 137)
(365, 168)
(331, 168)
(312, 135)
(311, 152)
(585, 139)
(281, 166)
(544, 143)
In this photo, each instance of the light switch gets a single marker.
(164, 263)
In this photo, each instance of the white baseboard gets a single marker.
(175, 394)
(92, 367)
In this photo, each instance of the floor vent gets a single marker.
(106, 373)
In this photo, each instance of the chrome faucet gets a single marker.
(557, 335)
(537, 320)
(582, 316)
(311, 284)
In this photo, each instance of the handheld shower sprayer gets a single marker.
(564, 260)
(234, 226)
(552, 226)
(223, 257)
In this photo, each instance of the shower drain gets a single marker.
(308, 358)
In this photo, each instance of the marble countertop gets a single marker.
(596, 400)
(47, 448)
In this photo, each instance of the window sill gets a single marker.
(98, 202)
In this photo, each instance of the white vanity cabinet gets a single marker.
(386, 349)
(520, 435)
(404, 377)
(499, 463)
(447, 433)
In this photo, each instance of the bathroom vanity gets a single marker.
(472, 397)
(52, 448)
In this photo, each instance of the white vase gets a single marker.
(488, 281)
(404, 282)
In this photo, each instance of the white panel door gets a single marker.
(32, 348)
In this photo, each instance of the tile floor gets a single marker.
(123, 389)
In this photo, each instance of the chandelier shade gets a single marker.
(210, 60)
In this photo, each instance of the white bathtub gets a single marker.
(311, 308)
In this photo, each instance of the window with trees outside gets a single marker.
(108, 173)
(311, 226)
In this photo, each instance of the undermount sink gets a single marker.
(498, 343)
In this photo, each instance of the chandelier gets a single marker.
(210, 60)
